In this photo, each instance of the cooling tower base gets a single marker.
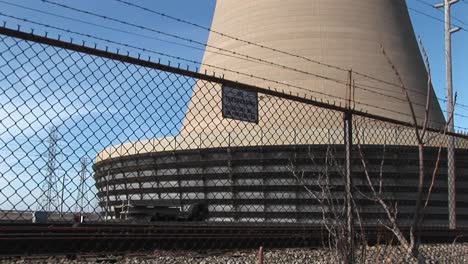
(267, 183)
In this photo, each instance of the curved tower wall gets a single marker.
(345, 33)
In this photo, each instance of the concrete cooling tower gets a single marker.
(345, 33)
(240, 169)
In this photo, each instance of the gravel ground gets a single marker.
(381, 254)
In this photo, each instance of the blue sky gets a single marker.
(432, 33)
(200, 12)
(23, 135)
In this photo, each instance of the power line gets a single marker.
(116, 29)
(206, 45)
(434, 17)
(249, 58)
(221, 49)
(240, 73)
(403, 100)
(429, 5)
(414, 91)
(166, 55)
(192, 41)
(248, 42)
(263, 46)
(227, 35)
(233, 71)
(201, 43)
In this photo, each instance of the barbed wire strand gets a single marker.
(119, 30)
(212, 66)
(224, 69)
(190, 41)
(262, 46)
(249, 58)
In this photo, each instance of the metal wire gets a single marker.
(454, 17)
(433, 17)
(235, 55)
(359, 103)
(245, 56)
(269, 48)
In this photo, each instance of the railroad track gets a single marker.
(105, 239)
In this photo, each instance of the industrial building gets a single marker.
(245, 171)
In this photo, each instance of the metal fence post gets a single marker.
(348, 140)
(451, 183)
(348, 135)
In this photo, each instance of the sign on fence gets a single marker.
(240, 104)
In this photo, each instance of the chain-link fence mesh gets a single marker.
(123, 145)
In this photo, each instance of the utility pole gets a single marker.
(450, 116)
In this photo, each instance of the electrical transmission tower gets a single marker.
(49, 197)
(82, 196)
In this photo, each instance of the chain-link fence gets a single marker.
(112, 142)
